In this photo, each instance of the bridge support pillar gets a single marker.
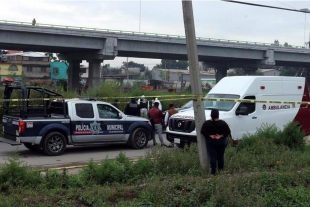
(249, 71)
(220, 73)
(94, 76)
(74, 75)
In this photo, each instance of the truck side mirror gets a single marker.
(242, 111)
(120, 115)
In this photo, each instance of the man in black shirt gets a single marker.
(216, 132)
(132, 108)
(115, 103)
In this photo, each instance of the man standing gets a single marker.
(115, 103)
(34, 21)
(156, 115)
(215, 132)
(168, 114)
(132, 108)
(144, 106)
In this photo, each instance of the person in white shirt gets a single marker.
(144, 106)
(159, 106)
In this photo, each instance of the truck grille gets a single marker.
(181, 125)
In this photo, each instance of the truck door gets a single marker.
(113, 128)
(246, 124)
(84, 127)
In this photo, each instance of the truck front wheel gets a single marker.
(54, 144)
(139, 138)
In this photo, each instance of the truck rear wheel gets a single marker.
(54, 144)
(139, 138)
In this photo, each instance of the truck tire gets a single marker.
(139, 138)
(54, 144)
(32, 147)
(181, 146)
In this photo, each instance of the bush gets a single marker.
(292, 136)
(16, 173)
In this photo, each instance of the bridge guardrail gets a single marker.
(150, 34)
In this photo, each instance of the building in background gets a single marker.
(35, 65)
(175, 78)
(59, 70)
(10, 70)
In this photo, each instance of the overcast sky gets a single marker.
(214, 19)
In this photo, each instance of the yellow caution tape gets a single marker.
(255, 101)
(179, 97)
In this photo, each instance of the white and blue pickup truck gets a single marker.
(49, 123)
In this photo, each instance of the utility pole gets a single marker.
(140, 17)
(199, 110)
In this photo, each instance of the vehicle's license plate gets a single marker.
(17, 139)
(177, 141)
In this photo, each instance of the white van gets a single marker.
(246, 118)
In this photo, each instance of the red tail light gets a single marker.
(21, 126)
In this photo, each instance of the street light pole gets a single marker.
(127, 71)
(199, 110)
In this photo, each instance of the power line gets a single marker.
(285, 4)
(273, 7)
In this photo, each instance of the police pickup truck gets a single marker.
(42, 119)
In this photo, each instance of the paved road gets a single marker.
(73, 156)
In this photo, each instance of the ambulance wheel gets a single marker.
(54, 144)
(32, 147)
(139, 138)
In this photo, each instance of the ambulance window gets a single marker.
(84, 110)
(107, 112)
(250, 106)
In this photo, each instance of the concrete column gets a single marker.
(220, 73)
(74, 75)
(249, 71)
(94, 76)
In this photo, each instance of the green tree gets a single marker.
(132, 64)
(173, 64)
(235, 72)
(290, 71)
(148, 74)
(52, 57)
(240, 71)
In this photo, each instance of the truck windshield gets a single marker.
(220, 105)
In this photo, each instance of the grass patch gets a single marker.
(265, 169)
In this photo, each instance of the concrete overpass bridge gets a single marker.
(76, 44)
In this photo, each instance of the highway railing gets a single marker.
(151, 34)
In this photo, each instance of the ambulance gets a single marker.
(272, 100)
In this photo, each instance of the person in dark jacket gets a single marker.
(216, 132)
(132, 108)
(115, 103)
